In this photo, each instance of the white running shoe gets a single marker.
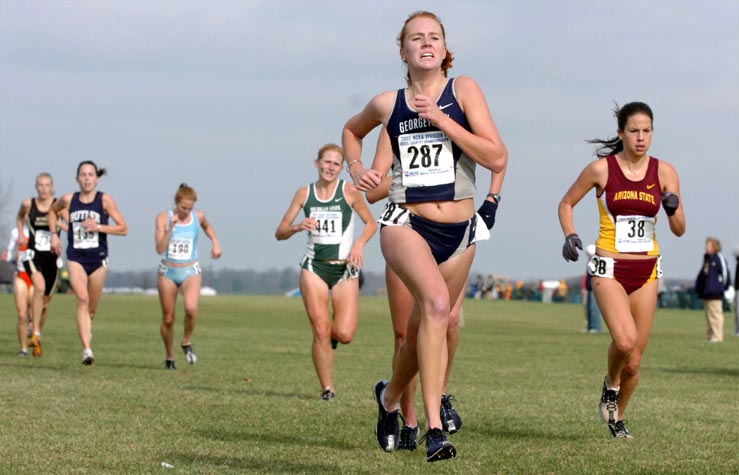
(190, 356)
(87, 357)
(608, 407)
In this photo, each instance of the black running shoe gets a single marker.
(450, 420)
(386, 431)
(169, 364)
(619, 430)
(608, 406)
(334, 344)
(327, 394)
(408, 436)
(437, 447)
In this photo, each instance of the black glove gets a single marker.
(569, 250)
(670, 202)
(487, 213)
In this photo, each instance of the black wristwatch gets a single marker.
(495, 197)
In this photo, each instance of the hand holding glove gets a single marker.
(571, 245)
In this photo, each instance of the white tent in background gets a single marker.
(293, 293)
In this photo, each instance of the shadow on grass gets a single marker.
(716, 371)
(252, 464)
(23, 363)
(522, 433)
(256, 392)
(144, 366)
(219, 434)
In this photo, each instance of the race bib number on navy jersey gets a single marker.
(393, 215)
(83, 239)
(426, 159)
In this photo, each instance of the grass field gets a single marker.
(526, 383)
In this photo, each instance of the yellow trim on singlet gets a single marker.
(607, 232)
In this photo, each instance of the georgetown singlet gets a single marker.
(628, 211)
(427, 165)
(90, 246)
(183, 241)
(334, 235)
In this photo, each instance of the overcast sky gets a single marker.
(235, 98)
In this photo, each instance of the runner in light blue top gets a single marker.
(176, 238)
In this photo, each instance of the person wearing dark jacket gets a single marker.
(713, 279)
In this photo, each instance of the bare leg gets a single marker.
(22, 295)
(452, 335)
(345, 303)
(315, 298)
(191, 297)
(78, 282)
(643, 305)
(616, 307)
(629, 320)
(95, 283)
(431, 285)
(88, 290)
(37, 302)
(401, 303)
(167, 300)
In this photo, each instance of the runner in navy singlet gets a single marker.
(400, 301)
(440, 129)
(89, 213)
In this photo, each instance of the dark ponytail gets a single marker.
(613, 145)
(98, 171)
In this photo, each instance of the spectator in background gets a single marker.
(479, 284)
(547, 288)
(562, 291)
(713, 279)
(488, 286)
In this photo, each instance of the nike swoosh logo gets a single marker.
(649, 187)
(444, 107)
(338, 199)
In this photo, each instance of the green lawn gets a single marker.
(526, 383)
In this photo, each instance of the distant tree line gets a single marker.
(235, 281)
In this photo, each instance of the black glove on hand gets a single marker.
(487, 213)
(569, 250)
(670, 202)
